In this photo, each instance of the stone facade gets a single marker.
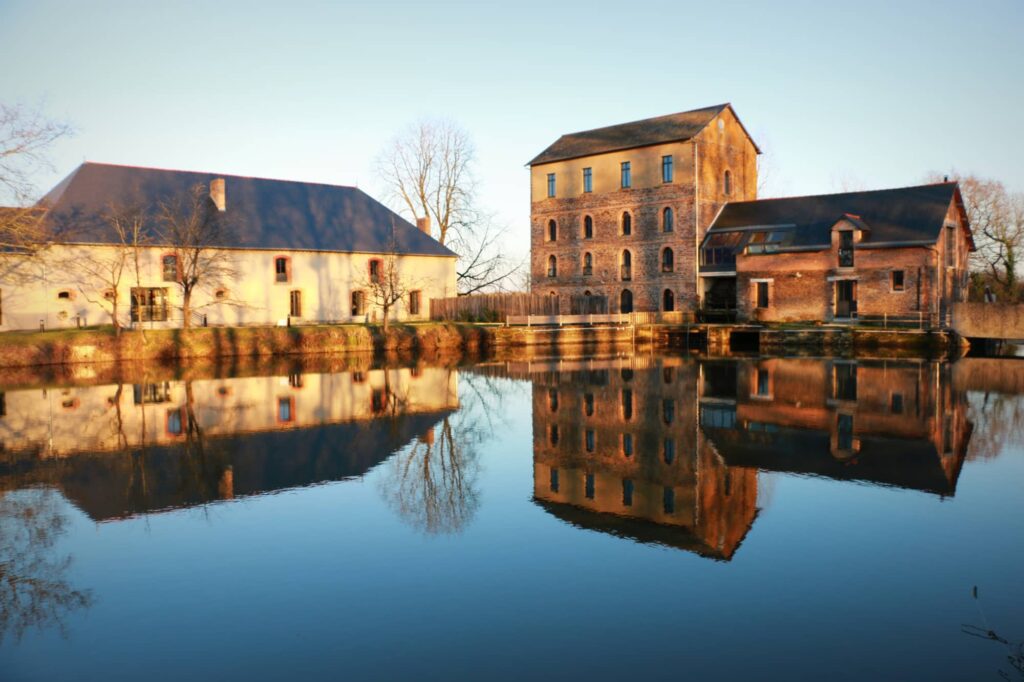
(695, 194)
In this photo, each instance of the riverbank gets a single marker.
(59, 347)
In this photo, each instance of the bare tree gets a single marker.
(385, 283)
(428, 173)
(100, 273)
(997, 219)
(195, 232)
(26, 136)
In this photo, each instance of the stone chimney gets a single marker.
(424, 224)
(217, 193)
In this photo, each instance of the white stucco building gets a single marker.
(298, 253)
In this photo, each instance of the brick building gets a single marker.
(617, 212)
(839, 257)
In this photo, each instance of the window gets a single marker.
(553, 434)
(149, 304)
(551, 185)
(762, 294)
(668, 410)
(286, 410)
(846, 248)
(896, 403)
(627, 444)
(667, 375)
(295, 304)
(844, 432)
(769, 241)
(552, 266)
(627, 224)
(588, 227)
(668, 500)
(844, 381)
(175, 422)
(588, 264)
(358, 302)
(553, 480)
(667, 220)
(3, 404)
(668, 452)
(627, 404)
(220, 294)
(64, 295)
(727, 183)
(627, 266)
(376, 270)
(666, 168)
(552, 230)
(626, 301)
(145, 394)
(588, 404)
(553, 399)
(627, 492)
(668, 260)
(668, 301)
(282, 269)
(763, 383)
(295, 380)
(588, 180)
(897, 280)
(950, 245)
(626, 176)
(589, 440)
(719, 249)
(414, 303)
(588, 486)
(170, 268)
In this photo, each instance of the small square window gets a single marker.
(897, 280)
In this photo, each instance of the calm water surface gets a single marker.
(574, 519)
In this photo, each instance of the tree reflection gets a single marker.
(34, 589)
(432, 485)
(1002, 419)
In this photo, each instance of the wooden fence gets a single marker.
(492, 307)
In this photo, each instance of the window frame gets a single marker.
(762, 295)
(295, 303)
(552, 230)
(552, 266)
(177, 268)
(551, 186)
(625, 175)
(287, 260)
(902, 286)
(668, 260)
(415, 302)
(588, 180)
(667, 169)
(375, 270)
(668, 220)
(588, 227)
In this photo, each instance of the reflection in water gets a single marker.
(116, 451)
(34, 588)
(667, 451)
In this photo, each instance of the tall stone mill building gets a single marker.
(617, 213)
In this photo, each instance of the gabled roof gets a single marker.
(265, 214)
(659, 130)
(903, 216)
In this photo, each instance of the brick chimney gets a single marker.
(424, 224)
(217, 193)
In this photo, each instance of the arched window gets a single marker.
(588, 227)
(668, 301)
(727, 183)
(626, 301)
(552, 266)
(627, 223)
(668, 222)
(552, 230)
(668, 260)
(627, 266)
(588, 264)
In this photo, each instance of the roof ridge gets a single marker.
(839, 194)
(718, 107)
(207, 172)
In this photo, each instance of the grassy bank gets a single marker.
(25, 349)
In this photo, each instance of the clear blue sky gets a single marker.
(873, 94)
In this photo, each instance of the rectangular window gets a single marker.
(897, 280)
(762, 294)
(668, 410)
(295, 301)
(844, 432)
(588, 180)
(286, 410)
(358, 302)
(896, 403)
(589, 486)
(553, 482)
(551, 185)
(414, 303)
(590, 440)
(666, 169)
(282, 269)
(149, 304)
(170, 268)
(668, 500)
(627, 492)
(846, 249)
(588, 404)
(844, 381)
(627, 444)
(175, 423)
(626, 177)
(950, 245)
(669, 451)
(145, 394)
(375, 270)
(763, 383)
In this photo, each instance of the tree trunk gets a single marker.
(386, 307)
(113, 316)
(186, 309)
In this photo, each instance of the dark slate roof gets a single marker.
(265, 214)
(893, 216)
(659, 130)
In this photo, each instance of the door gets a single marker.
(626, 301)
(846, 298)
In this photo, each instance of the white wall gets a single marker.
(30, 287)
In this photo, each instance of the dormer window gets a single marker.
(846, 248)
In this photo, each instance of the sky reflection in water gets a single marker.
(604, 518)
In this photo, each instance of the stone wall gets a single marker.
(989, 320)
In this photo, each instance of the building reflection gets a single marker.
(898, 423)
(120, 450)
(667, 450)
(616, 449)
